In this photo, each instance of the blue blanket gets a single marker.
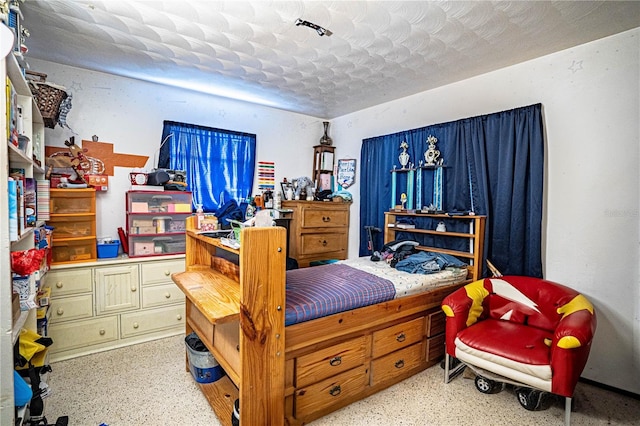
(328, 289)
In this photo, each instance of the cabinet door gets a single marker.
(117, 288)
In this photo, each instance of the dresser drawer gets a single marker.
(330, 361)
(72, 307)
(335, 391)
(152, 320)
(78, 334)
(398, 336)
(390, 366)
(160, 272)
(166, 294)
(67, 282)
(317, 243)
(324, 218)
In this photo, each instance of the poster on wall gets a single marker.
(266, 175)
(346, 172)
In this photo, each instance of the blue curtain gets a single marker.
(494, 166)
(219, 163)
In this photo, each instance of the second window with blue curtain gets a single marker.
(219, 163)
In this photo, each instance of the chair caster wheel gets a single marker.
(485, 385)
(531, 399)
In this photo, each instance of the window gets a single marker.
(219, 163)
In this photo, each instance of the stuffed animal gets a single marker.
(303, 185)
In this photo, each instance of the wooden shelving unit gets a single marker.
(474, 236)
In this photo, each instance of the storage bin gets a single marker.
(72, 201)
(72, 227)
(203, 366)
(73, 251)
(108, 249)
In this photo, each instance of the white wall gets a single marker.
(129, 114)
(590, 96)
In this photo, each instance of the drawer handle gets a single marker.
(102, 332)
(179, 317)
(326, 218)
(324, 243)
(401, 337)
(59, 284)
(60, 311)
(335, 361)
(167, 273)
(167, 295)
(133, 289)
(335, 391)
(136, 325)
(399, 363)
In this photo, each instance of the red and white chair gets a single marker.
(529, 332)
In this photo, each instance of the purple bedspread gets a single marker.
(327, 289)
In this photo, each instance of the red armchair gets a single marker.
(529, 332)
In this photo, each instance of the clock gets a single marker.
(138, 178)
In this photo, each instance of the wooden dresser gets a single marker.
(319, 230)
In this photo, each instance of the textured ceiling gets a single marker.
(252, 50)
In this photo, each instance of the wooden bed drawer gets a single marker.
(330, 361)
(323, 242)
(398, 336)
(390, 366)
(436, 322)
(324, 218)
(199, 323)
(332, 391)
(435, 348)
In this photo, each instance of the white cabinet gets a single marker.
(29, 156)
(112, 303)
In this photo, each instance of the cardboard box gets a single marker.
(179, 208)
(25, 286)
(44, 294)
(142, 222)
(15, 306)
(139, 207)
(143, 230)
(143, 248)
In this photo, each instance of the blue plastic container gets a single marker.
(107, 250)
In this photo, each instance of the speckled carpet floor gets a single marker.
(147, 384)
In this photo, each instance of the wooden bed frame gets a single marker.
(293, 375)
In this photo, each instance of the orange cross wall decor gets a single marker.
(104, 152)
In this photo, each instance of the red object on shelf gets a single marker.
(123, 240)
